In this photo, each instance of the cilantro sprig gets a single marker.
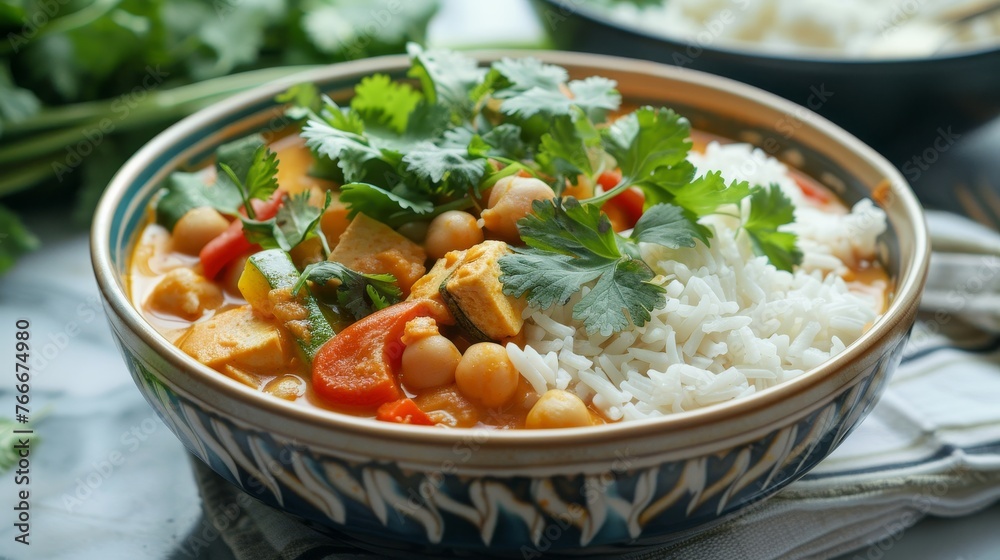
(359, 293)
(408, 151)
(572, 244)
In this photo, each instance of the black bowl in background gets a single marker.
(899, 107)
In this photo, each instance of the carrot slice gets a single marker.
(360, 365)
(403, 411)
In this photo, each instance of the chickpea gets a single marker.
(196, 228)
(453, 230)
(288, 387)
(486, 374)
(558, 409)
(429, 362)
(510, 200)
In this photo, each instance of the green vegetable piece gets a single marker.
(273, 270)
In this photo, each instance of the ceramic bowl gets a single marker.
(518, 493)
(880, 100)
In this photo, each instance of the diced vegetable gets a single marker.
(474, 294)
(370, 246)
(184, 293)
(241, 339)
(360, 366)
(267, 283)
(403, 411)
(625, 209)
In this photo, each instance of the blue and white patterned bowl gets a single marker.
(521, 493)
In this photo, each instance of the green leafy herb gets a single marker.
(260, 178)
(303, 99)
(359, 293)
(408, 155)
(446, 77)
(377, 99)
(246, 169)
(571, 244)
(187, 191)
(294, 222)
(769, 210)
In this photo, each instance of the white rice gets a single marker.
(733, 324)
(852, 28)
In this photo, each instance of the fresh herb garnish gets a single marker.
(247, 158)
(571, 244)
(260, 177)
(359, 293)
(294, 223)
(769, 210)
(408, 153)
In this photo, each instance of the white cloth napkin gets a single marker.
(930, 447)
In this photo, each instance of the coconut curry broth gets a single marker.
(280, 369)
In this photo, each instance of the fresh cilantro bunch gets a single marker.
(83, 83)
(407, 151)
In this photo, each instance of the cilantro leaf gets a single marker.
(505, 141)
(359, 293)
(350, 149)
(377, 99)
(626, 286)
(262, 176)
(294, 222)
(259, 181)
(564, 151)
(646, 140)
(186, 191)
(667, 225)
(595, 96)
(769, 210)
(456, 168)
(522, 74)
(585, 248)
(239, 154)
(704, 195)
(303, 99)
(550, 279)
(446, 77)
(393, 208)
(569, 228)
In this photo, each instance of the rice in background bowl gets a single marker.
(832, 28)
(613, 488)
